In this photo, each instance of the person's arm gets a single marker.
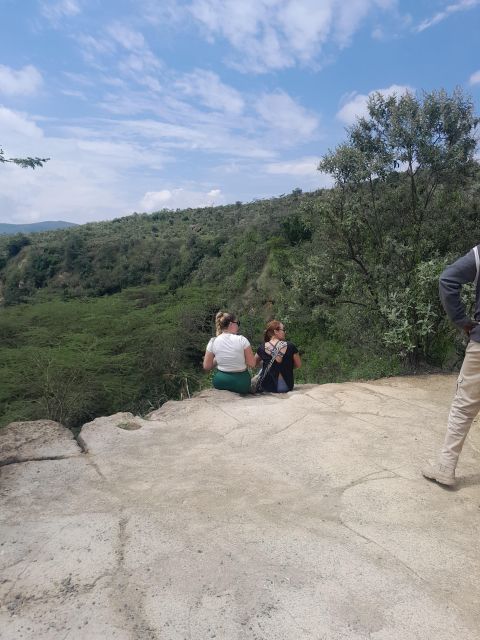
(297, 361)
(258, 360)
(250, 359)
(208, 361)
(451, 281)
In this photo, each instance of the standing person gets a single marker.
(279, 378)
(231, 353)
(466, 402)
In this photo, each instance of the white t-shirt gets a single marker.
(228, 349)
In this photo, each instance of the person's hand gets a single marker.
(469, 326)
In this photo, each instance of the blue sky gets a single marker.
(144, 104)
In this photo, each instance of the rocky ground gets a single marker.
(290, 517)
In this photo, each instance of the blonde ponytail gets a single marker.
(222, 320)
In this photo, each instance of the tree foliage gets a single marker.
(399, 190)
(25, 163)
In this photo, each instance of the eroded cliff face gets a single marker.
(265, 517)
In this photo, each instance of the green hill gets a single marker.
(216, 244)
(114, 316)
(34, 227)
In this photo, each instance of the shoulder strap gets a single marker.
(266, 368)
(477, 263)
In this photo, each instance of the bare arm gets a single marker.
(208, 361)
(250, 359)
(297, 361)
(258, 360)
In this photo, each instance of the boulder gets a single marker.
(36, 440)
(269, 517)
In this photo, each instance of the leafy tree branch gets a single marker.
(25, 163)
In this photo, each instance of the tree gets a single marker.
(398, 177)
(16, 243)
(24, 162)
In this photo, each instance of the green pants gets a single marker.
(238, 381)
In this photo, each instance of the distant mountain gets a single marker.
(48, 225)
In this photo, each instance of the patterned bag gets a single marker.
(257, 381)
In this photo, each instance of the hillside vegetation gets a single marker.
(115, 315)
(34, 227)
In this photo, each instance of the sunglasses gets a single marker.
(235, 322)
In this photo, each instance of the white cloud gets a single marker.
(139, 66)
(283, 114)
(55, 11)
(211, 91)
(205, 135)
(187, 115)
(73, 93)
(275, 34)
(153, 200)
(93, 47)
(125, 47)
(307, 26)
(180, 199)
(104, 167)
(475, 78)
(175, 123)
(77, 190)
(164, 12)
(79, 79)
(151, 83)
(301, 167)
(397, 26)
(100, 171)
(355, 105)
(126, 37)
(463, 5)
(85, 179)
(12, 123)
(303, 173)
(25, 81)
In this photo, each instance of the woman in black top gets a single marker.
(279, 379)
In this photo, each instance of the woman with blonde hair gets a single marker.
(231, 354)
(279, 378)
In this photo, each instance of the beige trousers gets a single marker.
(465, 406)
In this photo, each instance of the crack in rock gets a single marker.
(15, 460)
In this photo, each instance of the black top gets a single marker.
(285, 367)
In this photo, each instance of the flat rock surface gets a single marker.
(37, 440)
(282, 517)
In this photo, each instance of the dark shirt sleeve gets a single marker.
(451, 280)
